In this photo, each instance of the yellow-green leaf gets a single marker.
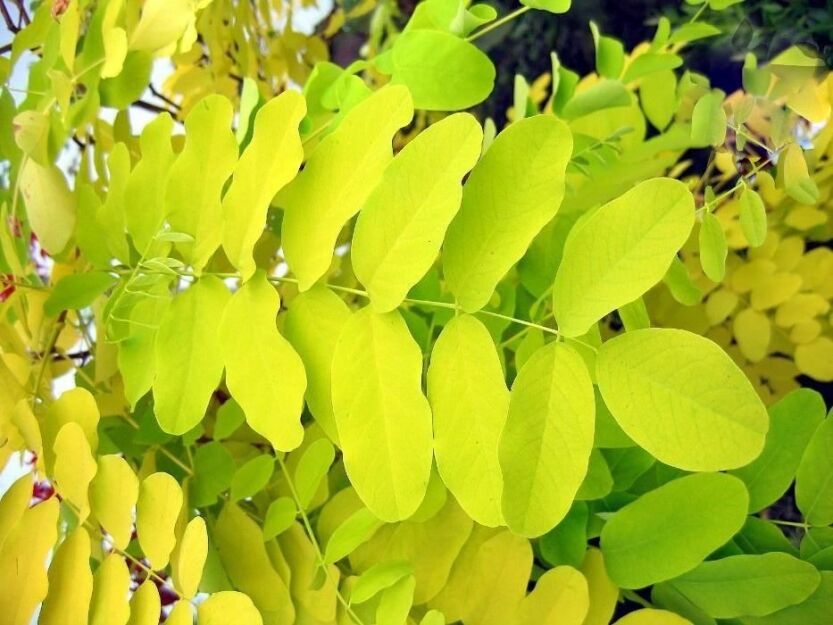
(337, 179)
(111, 585)
(269, 162)
(70, 582)
(182, 614)
(560, 597)
(75, 468)
(620, 251)
(113, 494)
(651, 616)
(189, 355)
(512, 192)
(162, 22)
(383, 419)
(545, 446)
(157, 511)
(604, 594)
(402, 225)
(145, 605)
(192, 195)
(50, 206)
(226, 607)
(470, 403)
(713, 248)
(252, 345)
(681, 398)
(753, 219)
(14, 504)
(189, 558)
(708, 120)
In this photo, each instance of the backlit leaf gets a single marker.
(157, 510)
(814, 479)
(189, 558)
(113, 495)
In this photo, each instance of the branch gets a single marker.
(14, 28)
(154, 108)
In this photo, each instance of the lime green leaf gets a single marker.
(252, 477)
(708, 121)
(560, 597)
(158, 508)
(113, 494)
(545, 446)
(553, 6)
(680, 397)
(162, 22)
(111, 217)
(189, 558)
(395, 602)
(111, 585)
(269, 162)
(121, 91)
(229, 417)
(49, 205)
(313, 325)
(228, 607)
(23, 579)
(197, 177)
(377, 578)
(620, 251)
(279, 517)
(681, 285)
(705, 510)
(400, 229)
(753, 219)
(312, 468)
(470, 402)
(814, 479)
(797, 181)
(749, 585)
(815, 610)
(650, 63)
(384, 421)
(213, 470)
(251, 344)
(566, 543)
(658, 95)
(356, 530)
(511, 194)
(604, 94)
(337, 179)
(713, 248)
(650, 616)
(793, 420)
(77, 291)
(70, 582)
(145, 194)
(610, 54)
(420, 57)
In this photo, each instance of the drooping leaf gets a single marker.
(157, 510)
(814, 479)
(77, 291)
(620, 251)
(113, 495)
(402, 225)
(49, 204)
(713, 248)
(75, 468)
(560, 597)
(681, 398)
(189, 558)
(227, 607)
(512, 192)
(546, 443)
(70, 582)
(708, 120)
(383, 419)
(111, 584)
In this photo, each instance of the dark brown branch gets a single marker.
(14, 28)
(154, 108)
(163, 97)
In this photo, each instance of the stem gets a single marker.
(498, 23)
(314, 541)
(803, 526)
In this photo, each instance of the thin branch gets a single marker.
(154, 108)
(163, 97)
(14, 28)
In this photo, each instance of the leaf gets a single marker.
(797, 181)
(705, 510)
(682, 399)
(162, 22)
(197, 177)
(402, 225)
(566, 543)
(74, 468)
(337, 180)
(605, 94)
(546, 443)
(270, 161)
(77, 291)
(383, 419)
(713, 248)
(252, 477)
(181, 614)
(279, 517)
(23, 580)
(560, 597)
(213, 471)
(620, 251)
(753, 333)
(470, 403)
(421, 57)
(50, 207)
(157, 511)
(650, 616)
(144, 208)
(814, 479)
(604, 594)
(553, 6)
(110, 217)
(753, 220)
(658, 96)
(113, 495)
(76, 405)
(313, 325)
(378, 578)
(189, 355)
(312, 469)
(510, 195)
(70, 582)
(708, 121)
(145, 604)
(13, 505)
(749, 585)
(111, 584)
(793, 420)
(816, 358)
(251, 345)
(356, 530)
(815, 610)
(189, 558)
(610, 54)
(228, 607)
